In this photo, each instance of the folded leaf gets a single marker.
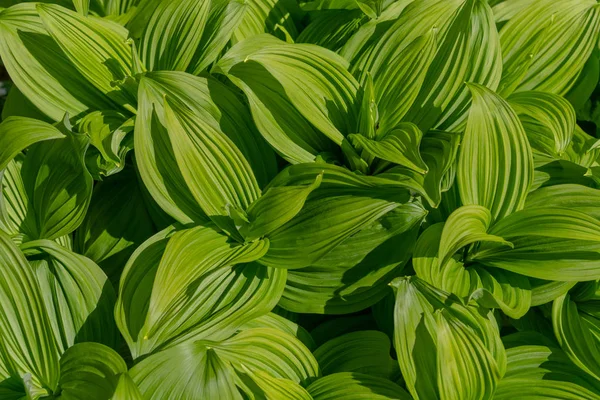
(223, 19)
(18, 133)
(355, 274)
(97, 48)
(220, 368)
(192, 284)
(550, 243)
(40, 68)
(468, 52)
(302, 97)
(546, 44)
(78, 297)
(111, 135)
(116, 223)
(548, 120)
(58, 186)
(356, 386)
(173, 34)
(576, 326)
(28, 342)
(438, 151)
(399, 145)
(275, 208)
(434, 330)
(575, 197)
(91, 370)
(495, 167)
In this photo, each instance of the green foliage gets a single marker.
(300, 199)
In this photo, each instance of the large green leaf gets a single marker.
(469, 52)
(28, 344)
(355, 274)
(328, 217)
(543, 372)
(445, 349)
(550, 243)
(78, 297)
(97, 48)
(223, 19)
(546, 44)
(356, 386)
(192, 284)
(116, 223)
(18, 133)
(187, 163)
(93, 371)
(302, 97)
(366, 352)
(548, 120)
(173, 34)
(40, 68)
(576, 326)
(46, 193)
(495, 167)
(225, 369)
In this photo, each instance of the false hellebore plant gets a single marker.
(261, 199)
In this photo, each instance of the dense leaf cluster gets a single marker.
(304, 200)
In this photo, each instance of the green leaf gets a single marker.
(366, 352)
(327, 219)
(46, 194)
(173, 34)
(111, 135)
(465, 226)
(574, 197)
(302, 97)
(495, 167)
(548, 120)
(550, 243)
(220, 368)
(275, 208)
(40, 68)
(468, 52)
(192, 284)
(18, 133)
(545, 45)
(116, 223)
(166, 157)
(356, 386)
(78, 297)
(215, 171)
(270, 16)
(438, 151)
(355, 274)
(97, 48)
(331, 29)
(28, 344)
(434, 330)
(544, 372)
(435, 262)
(399, 145)
(397, 87)
(576, 326)
(82, 6)
(223, 19)
(275, 321)
(91, 370)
